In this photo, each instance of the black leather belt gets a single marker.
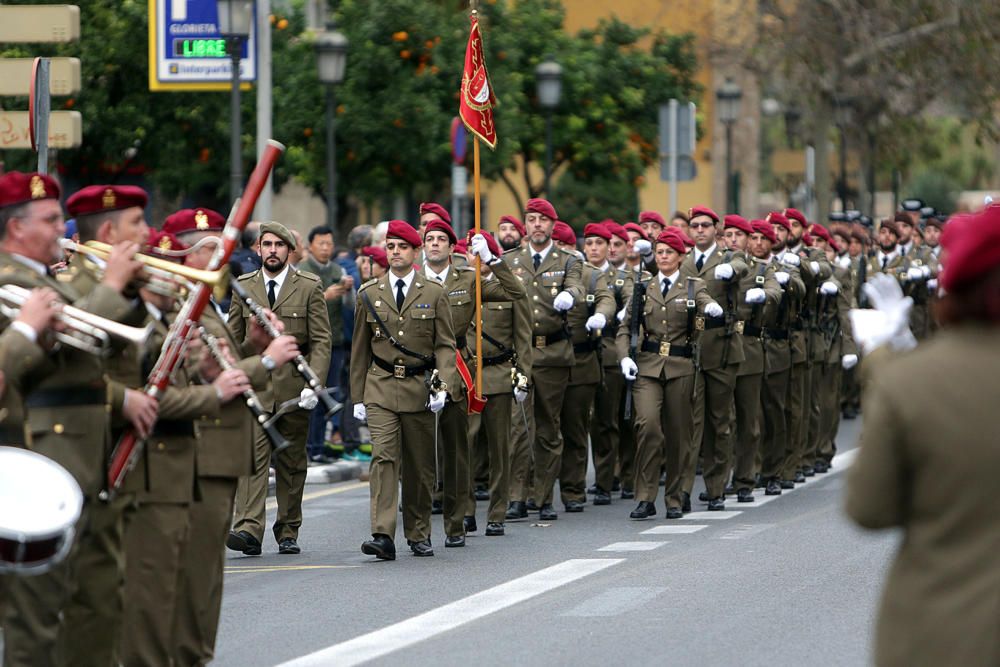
(776, 334)
(10, 435)
(498, 359)
(714, 323)
(461, 342)
(57, 397)
(167, 428)
(609, 333)
(798, 326)
(586, 347)
(400, 370)
(665, 349)
(752, 330)
(540, 341)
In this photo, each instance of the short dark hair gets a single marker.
(87, 225)
(8, 212)
(319, 230)
(359, 237)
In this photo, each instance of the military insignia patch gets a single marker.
(37, 187)
(108, 198)
(201, 220)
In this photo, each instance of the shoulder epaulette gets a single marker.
(248, 276)
(368, 283)
(309, 276)
(513, 250)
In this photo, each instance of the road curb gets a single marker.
(331, 473)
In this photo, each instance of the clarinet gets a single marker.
(252, 400)
(301, 365)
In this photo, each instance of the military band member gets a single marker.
(296, 298)
(663, 371)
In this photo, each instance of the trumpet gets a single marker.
(156, 268)
(84, 331)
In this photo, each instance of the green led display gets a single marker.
(200, 48)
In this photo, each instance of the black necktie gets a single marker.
(537, 259)
(271, 284)
(399, 294)
(700, 262)
(666, 286)
(885, 262)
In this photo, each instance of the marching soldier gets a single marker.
(552, 279)
(297, 299)
(921, 266)
(659, 357)
(652, 223)
(402, 334)
(635, 233)
(510, 233)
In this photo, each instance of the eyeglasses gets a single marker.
(701, 225)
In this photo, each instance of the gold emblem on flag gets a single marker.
(201, 220)
(37, 186)
(108, 200)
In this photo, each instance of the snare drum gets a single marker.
(40, 503)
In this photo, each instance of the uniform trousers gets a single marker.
(851, 390)
(691, 454)
(830, 413)
(522, 434)
(290, 466)
(720, 413)
(817, 380)
(748, 417)
(798, 388)
(774, 423)
(550, 390)
(663, 426)
(492, 428)
(453, 465)
(577, 410)
(606, 429)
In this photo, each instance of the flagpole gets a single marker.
(479, 286)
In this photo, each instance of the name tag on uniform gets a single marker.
(552, 274)
(458, 292)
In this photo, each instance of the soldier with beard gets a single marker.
(510, 233)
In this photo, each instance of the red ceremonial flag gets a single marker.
(476, 99)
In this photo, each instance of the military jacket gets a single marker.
(750, 317)
(720, 342)
(598, 299)
(507, 323)
(621, 282)
(777, 321)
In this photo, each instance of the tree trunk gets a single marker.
(821, 141)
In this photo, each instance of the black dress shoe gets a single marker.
(381, 547)
(674, 513)
(482, 493)
(717, 504)
(759, 482)
(547, 513)
(704, 497)
(773, 488)
(243, 542)
(663, 479)
(454, 541)
(643, 510)
(821, 467)
(422, 548)
(686, 505)
(289, 546)
(437, 507)
(616, 485)
(786, 484)
(574, 506)
(849, 413)
(469, 523)
(602, 498)
(627, 494)
(744, 496)
(730, 490)
(800, 477)
(808, 471)
(592, 489)
(531, 505)
(494, 529)
(516, 510)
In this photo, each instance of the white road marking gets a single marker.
(632, 546)
(745, 530)
(676, 529)
(450, 616)
(615, 601)
(710, 516)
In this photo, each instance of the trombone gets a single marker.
(84, 331)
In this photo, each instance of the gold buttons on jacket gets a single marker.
(161, 446)
(58, 428)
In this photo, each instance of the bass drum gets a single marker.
(40, 503)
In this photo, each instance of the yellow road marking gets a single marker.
(273, 503)
(230, 569)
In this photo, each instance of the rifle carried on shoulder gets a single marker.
(638, 291)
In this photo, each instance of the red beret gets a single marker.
(597, 229)
(673, 240)
(105, 198)
(807, 240)
(541, 206)
(194, 220)
(441, 226)
(935, 221)
(738, 222)
(652, 216)
(563, 233)
(702, 210)
(904, 218)
(973, 246)
(890, 225)
(776, 218)
(822, 232)
(461, 248)
(859, 233)
(795, 214)
(632, 227)
(404, 231)
(764, 228)
(688, 241)
(377, 255)
(18, 187)
(511, 220)
(617, 230)
(436, 209)
(161, 243)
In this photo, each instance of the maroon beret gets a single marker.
(105, 198)
(859, 233)
(541, 206)
(935, 221)
(902, 217)
(404, 231)
(822, 232)
(17, 187)
(563, 233)
(617, 230)
(688, 241)
(632, 227)
(776, 218)
(511, 220)
(890, 225)
(764, 228)
(695, 211)
(194, 220)
(652, 216)
(461, 248)
(807, 240)
(436, 209)
(161, 243)
(738, 222)
(795, 214)
(377, 255)
(441, 226)
(673, 240)
(491, 242)
(597, 229)
(973, 246)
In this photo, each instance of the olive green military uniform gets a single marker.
(662, 391)
(391, 386)
(74, 609)
(850, 399)
(823, 310)
(584, 378)
(455, 472)
(721, 355)
(552, 359)
(301, 307)
(836, 326)
(922, 258)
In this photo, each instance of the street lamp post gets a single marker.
(728, 97)
(235, 19)
(331, 58)
(842, 111)
(549, 80)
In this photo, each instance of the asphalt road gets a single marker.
(784, 581)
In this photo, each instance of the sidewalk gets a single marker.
(329, 473)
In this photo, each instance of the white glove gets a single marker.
(520, 394)
(437, 400)
(596, 321)
(782, 277)
(844, 262)
(621, 315)
(889, 322)
(914, 273)
(814, 266)
(829, 288)
(481, 247)
(360, 413)
(642, 246)
(756, 295)
(563, 301)
(724, 272)
(849, 361)
(629, 369)
(308, 399)
(790, 259)
(932, 284)
(713, 310)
